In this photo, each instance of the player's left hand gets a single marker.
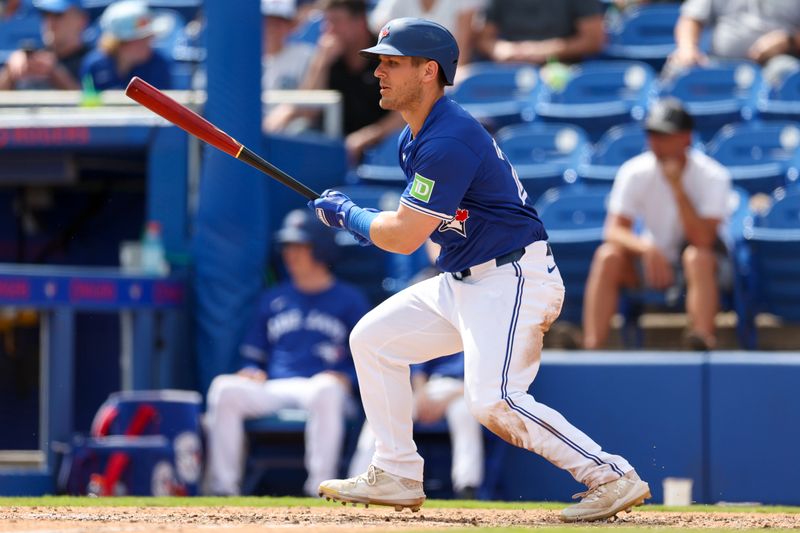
(331, 208)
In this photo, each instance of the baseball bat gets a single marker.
(189, 121)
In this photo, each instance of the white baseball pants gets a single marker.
(232, 399)
(497, 316)
(466, 436)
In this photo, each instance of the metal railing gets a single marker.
(66, 108)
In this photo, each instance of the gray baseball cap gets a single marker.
(668, 116)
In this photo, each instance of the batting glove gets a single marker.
(332, 208)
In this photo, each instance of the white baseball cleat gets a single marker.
(608, 499)
(375, 487)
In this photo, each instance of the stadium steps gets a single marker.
(664, 331)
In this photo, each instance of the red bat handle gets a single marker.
(180, 115)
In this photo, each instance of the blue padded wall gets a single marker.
(230, 237)
(645, 407)
(754, 421)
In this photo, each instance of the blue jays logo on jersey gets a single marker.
(458, 223)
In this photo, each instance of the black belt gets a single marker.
(505, 259)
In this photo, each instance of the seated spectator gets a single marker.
(126, 49)
(681, 196)
(537, 31)
(57, 65)
(284, 63)
(339, 66)
(295, 355)
(438, 387)
(458, 16)
(765, 31)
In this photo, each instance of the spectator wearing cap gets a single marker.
(126, 48)
(680, 196)
(57, 64)
(284, 63)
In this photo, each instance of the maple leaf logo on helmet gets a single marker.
(384, 33)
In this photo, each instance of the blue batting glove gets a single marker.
(332, 208)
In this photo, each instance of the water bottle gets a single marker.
(89, 96)
(153, 260)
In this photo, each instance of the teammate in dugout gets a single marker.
(499, 292)
(294, 355)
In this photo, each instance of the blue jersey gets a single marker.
(456, 172)
(102, 69)
(295, 334)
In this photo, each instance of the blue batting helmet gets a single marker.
(301, 226)
(416, 37)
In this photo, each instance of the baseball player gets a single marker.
(499, 291)
(294, 355)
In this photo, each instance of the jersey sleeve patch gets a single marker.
(422, 188)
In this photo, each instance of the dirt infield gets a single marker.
(336, 518)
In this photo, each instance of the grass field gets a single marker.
(264, 514)
(267, 501)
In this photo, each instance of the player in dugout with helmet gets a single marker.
(499, 292)
(295, 355)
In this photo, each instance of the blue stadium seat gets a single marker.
(766, 265)
(716, 95)
(544, 155)
(574, 216)
(616, 146)
(381, 163)
(782, 102)
(599, 95)
(645, 33)
(497, 94)
(759, 155)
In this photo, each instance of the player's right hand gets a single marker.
(331, 208)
